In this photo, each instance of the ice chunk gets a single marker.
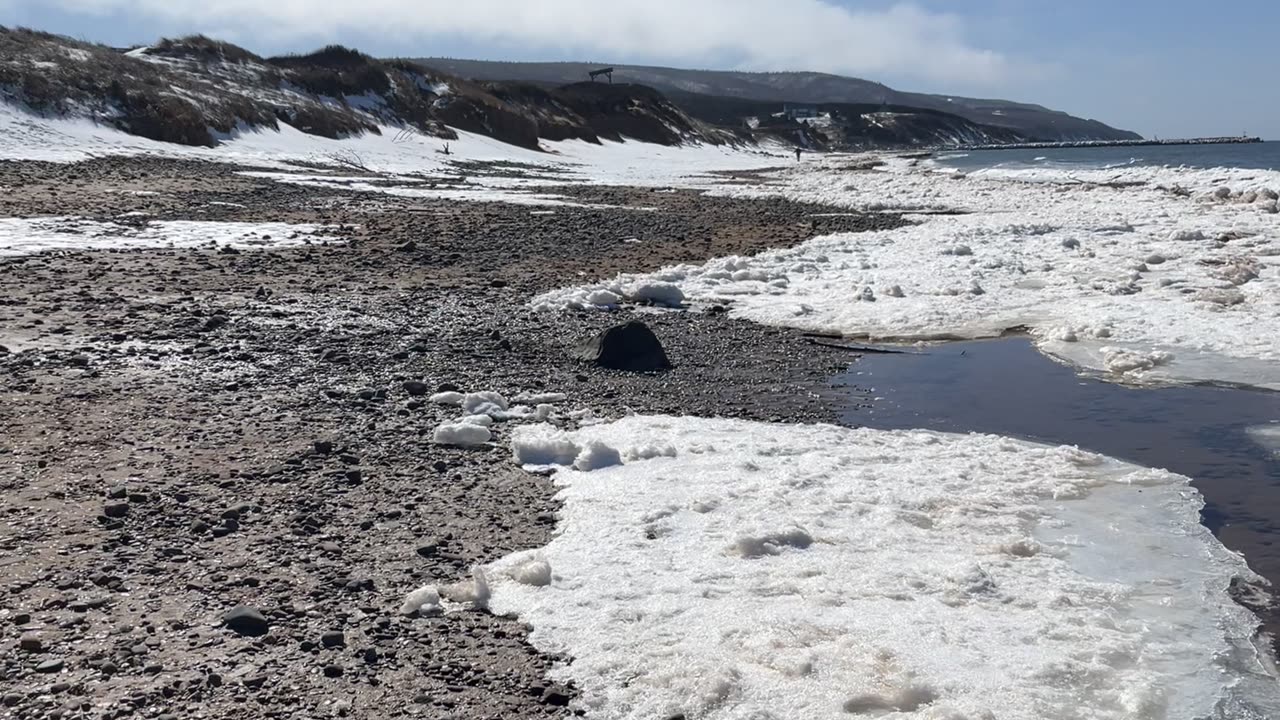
(659, 293)
(447, 398)
(1186, 235)
(648, 452)
(474, 591)
(603, 298)
(484, 403)
(541, 398)
(463, 434)
(1119, 360)
(544, 445)
(535, 572)
(423, 601)
(596, 455)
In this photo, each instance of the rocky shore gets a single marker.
(218, 471)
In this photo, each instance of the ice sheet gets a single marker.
(730, 569)
(1145, 284)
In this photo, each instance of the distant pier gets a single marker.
(1113, 143)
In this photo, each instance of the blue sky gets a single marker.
(1171, 68)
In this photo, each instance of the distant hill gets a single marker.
(198, 91)
(1032, 122)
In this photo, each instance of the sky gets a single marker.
(1171, 68)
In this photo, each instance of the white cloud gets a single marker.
(903, 40)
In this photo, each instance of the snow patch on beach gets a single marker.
(26, 236)
(481, 410)
(807, 572)
(1139, 282)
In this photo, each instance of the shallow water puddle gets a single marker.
(1007, 387)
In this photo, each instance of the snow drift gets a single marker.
(761, 571)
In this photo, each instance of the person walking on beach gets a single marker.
(797, 154)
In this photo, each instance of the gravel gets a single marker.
(220, 512)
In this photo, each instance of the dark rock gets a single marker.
(335, 355)
(51, 666)
(30, 642)
(79, 360)
(333, 671)
(556, 697)
(323, 447)
(631, 346)
(246, 621)
(446, 387)
(116, 509)
(416, 388)
(333, 638)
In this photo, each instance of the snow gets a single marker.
(535, 572)
(392, 155)
(25, 236)
(544, 445)
(423, 601)
(485, 403)
(474, 591)
(448, 398)
(1189, 286)
(462, 434)
(541, 398)
(808, 572)
(596, 455)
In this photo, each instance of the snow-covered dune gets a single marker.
(727, 569)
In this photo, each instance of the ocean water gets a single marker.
(1214, 435)
(1256, 156)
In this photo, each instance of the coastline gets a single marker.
(306, 356)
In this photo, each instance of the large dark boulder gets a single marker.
(632, 346)
(246, 621)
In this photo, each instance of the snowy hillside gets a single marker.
(197, 91)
